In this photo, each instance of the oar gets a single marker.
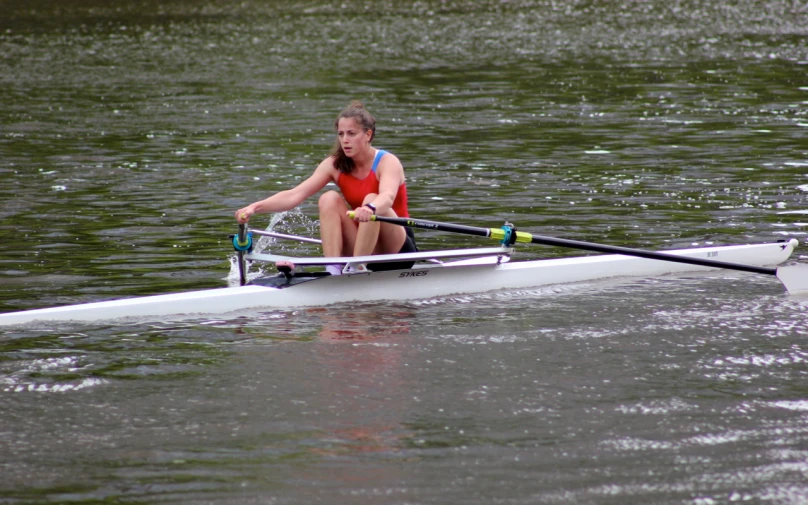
(242, 243)
(793, 277)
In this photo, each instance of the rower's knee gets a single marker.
(331, 201)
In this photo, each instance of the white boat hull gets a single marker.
(469, 276)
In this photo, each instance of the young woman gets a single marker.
(371, 181)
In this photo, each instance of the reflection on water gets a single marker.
(390, 396)
(129, 132)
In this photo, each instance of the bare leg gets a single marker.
(391, 237)
(367, 238)
(379, 238)
(337, 231)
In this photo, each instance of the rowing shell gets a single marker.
(479, 273)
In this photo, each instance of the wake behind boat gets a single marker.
(434, 274)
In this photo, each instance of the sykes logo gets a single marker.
(413, 274)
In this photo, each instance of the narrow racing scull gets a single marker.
(434, 274)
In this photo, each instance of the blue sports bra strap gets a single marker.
(379, 155)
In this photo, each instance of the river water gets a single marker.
(131, 131)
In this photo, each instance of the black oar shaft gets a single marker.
(433, 225)
(575, 244)
(242, 264)
(587, 246)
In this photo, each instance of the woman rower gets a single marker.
(371, 181)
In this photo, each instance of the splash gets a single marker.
(292, 222)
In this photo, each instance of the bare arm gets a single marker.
(290, 198)
(391, 176)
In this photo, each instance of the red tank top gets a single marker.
(355, 190)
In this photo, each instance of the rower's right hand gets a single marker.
(243, 215)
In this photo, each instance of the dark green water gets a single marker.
(131, 131)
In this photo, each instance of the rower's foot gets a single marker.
(285, 267)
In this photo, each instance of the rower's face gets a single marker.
(352, 137)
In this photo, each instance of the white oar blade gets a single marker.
(795, 278)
